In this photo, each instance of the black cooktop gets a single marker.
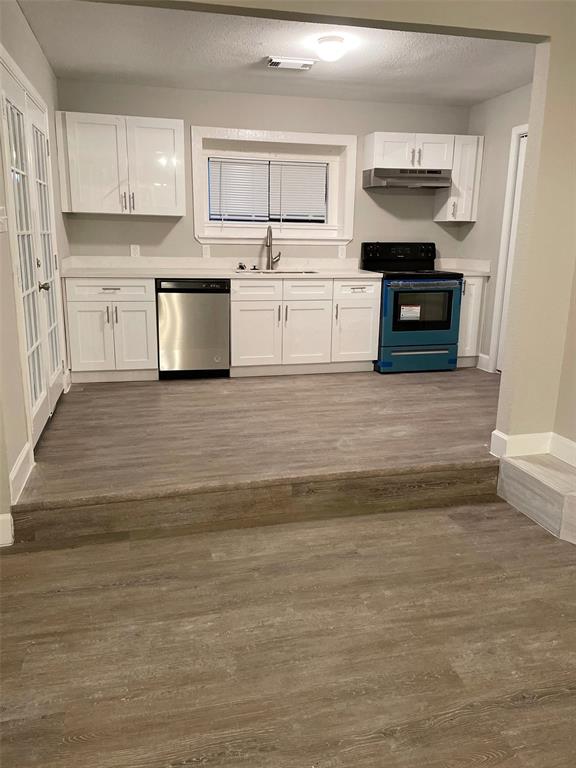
(404, 261)
(418, 274)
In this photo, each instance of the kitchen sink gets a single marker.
(277, 271)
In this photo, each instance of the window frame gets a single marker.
(338, 151)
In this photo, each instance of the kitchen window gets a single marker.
(303, 184)
(267, 190)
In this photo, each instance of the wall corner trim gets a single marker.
(563, 448)
(484, 364)
(6, 530)
(503, 445)
(20, 472)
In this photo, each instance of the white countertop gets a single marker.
(72, 268)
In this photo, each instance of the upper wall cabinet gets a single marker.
(125, 165)
(460, 201)
(408, 150)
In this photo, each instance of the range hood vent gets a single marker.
(408, 178)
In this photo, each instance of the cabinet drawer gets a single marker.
(308, 289)
(84, 289)
(255, 290)
(349, 288)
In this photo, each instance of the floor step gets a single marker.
(264, 502)
(543, 488)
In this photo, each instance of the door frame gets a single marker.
(503, 254)
(20, 471)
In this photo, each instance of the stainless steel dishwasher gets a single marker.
(193, 327)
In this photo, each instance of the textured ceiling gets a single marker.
(185, 49)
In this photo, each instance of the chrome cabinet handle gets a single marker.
(286, 315)
(413, 155)
(454, 207)
(107, 289)
(279, 313)
(132, 203)
(336, 312)
(116, 313)
(43, 286)
(124, 201)
(108, 314)
(463, 287)
(419, 155)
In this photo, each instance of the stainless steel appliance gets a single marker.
(193, 327)
(420, 309)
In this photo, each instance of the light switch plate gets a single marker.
(135, 251)
(3, 219)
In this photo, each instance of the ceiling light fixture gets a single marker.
(331, 47)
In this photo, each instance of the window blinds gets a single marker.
(262, 190)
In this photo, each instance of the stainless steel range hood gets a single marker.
(407, 178)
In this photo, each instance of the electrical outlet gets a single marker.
(3, 220)
(135, 251)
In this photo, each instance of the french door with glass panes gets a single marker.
(31, 225)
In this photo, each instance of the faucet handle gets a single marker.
(241, 266)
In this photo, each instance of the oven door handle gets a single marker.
(422, 285)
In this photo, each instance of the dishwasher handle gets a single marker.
(194, 285)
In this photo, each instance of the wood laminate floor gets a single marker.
(424, 639)
(147, 437)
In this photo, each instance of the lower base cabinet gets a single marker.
(307, 332)
(355, 331)
(256, 333)
(295, 330)
(470, 310)
(111, 336)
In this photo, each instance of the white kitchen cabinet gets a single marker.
(470, 311)
(408, 150)
(460, 201)
(91, 336)
(124, 165)
(156, 166)
(355, 329)
(93, 159)
(434, 150)
(307, 332)
(110, 336)
(135, 343)
(256, 332)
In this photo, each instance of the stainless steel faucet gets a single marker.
(270, 259)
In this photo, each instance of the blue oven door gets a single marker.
(420, 311)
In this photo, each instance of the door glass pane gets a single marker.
(19, 172)
(40, 146)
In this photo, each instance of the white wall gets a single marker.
(493, 119)
(398, 215)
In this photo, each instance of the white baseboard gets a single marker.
(562, 448)
(98, 377)
(20, 472)
(6, 530)
(484, 364)
(290, 370)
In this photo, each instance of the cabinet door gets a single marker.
(307, 332)
(434, 150)
(91, 336)
(470, 317)
(355, 329)
(256, 332)
(466, 178)
(135, 341)
(156, 166)
(98, 163)
(394, 150)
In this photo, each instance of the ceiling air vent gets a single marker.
(281, 62)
